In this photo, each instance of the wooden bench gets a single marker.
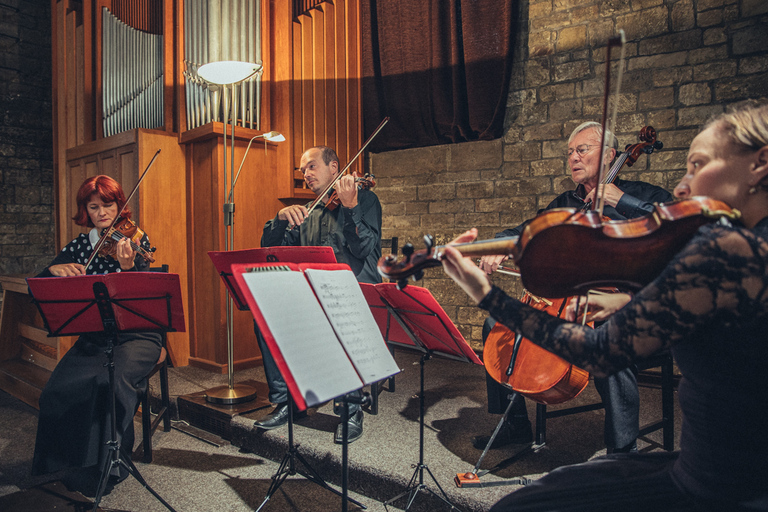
(27, 354)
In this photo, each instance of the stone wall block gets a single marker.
(403, 163)
(714, 70)
(515, 170)
(557, 92)
(682, 16)
(464, 221)
(672, 76)
(565, 110)
(550, 166)
(695, 94)
(454, 206)
(475, 155)
(436, 192)
(645, 23)
(752, 86)
(662, 119)
(662, 97)
(696, 116)
(715, 35)
(673, 41)
(757, 64)
(571, 71)
(753, 7)
(570, 38)
(750, 39)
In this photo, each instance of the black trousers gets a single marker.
(618, 391)
(619, 482)
(75, 423)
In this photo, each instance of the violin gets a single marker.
(333, 200)
(125, 228)
(517, 363)
(366, 182)
(556, 251)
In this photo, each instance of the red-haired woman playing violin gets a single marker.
(73, 425)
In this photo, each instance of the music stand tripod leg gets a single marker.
(288, 466)
(413, 489)
(345, 499)
(114, 459)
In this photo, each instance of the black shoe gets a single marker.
(277, 418)
(510, 433)
(354, 430)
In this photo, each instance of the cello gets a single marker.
(517, 363)
(524, 367)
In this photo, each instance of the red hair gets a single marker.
(107, 189)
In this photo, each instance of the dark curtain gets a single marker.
(440, 69)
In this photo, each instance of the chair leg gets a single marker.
(375, 390)
(165, 397)
(541, 424)
(668, 405)
(146, 426)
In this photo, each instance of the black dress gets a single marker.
(710, 307)
(74, 421)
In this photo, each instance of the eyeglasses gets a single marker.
(582, 150)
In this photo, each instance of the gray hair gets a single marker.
(610, 139)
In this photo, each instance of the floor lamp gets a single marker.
(231, 73)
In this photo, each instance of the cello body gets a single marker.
(538, 374)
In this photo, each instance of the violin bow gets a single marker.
(104, 235)
(343, 171)
(614, 41)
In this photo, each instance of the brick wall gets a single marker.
(26, 161)
(685, 60)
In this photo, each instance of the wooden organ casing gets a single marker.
(309, 91)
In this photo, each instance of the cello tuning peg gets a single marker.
(408, 251)
(418, 276)
(658, 144)
(402, 283)
(152, 249)
(429, 242)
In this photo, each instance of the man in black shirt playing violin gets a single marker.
(352, 229)
(622, 200)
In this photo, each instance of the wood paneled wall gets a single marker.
(327, 72)
(311, 94)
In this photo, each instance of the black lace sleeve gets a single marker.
(719, 279)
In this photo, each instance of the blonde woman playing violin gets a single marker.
(709, 306)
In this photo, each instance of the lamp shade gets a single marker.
(274, 136)
(227, 72)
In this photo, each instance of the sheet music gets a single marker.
(348, 312)
(306, 340)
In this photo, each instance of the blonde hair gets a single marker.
(745, 124)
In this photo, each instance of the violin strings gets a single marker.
(116, 235)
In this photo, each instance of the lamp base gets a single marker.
(237, 394)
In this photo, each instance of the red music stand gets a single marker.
(111, 304)
(422, 325)
(232, 393)
(223, 261)
(332, 349)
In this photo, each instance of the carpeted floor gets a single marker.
(193, 475)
